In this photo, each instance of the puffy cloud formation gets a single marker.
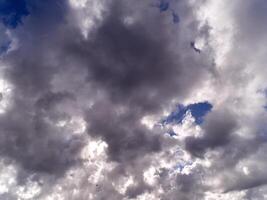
(89, 93)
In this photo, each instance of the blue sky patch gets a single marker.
(4, 47)
(171, 133)
(198, 111)
(182, 165)
(265, 94)
(12, 11)
(163, 5)
(175, 18)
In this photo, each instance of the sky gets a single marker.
(133, 100)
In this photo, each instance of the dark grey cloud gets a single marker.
(28, 131)
(133, 70)
(131, 63)
(138, 71)
(135, 62)
(218, 129)
(126, 137)
(134, 191)
(28, 136)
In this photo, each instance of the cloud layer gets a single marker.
(89, 92)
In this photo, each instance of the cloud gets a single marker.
(84, 85)
(218, 129)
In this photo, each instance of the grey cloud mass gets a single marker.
(85, 84)
(218, 128)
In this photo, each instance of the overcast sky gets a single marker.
(133, 99)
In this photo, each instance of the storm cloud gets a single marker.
(89, 91)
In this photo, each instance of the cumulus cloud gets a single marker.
(89, 92)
